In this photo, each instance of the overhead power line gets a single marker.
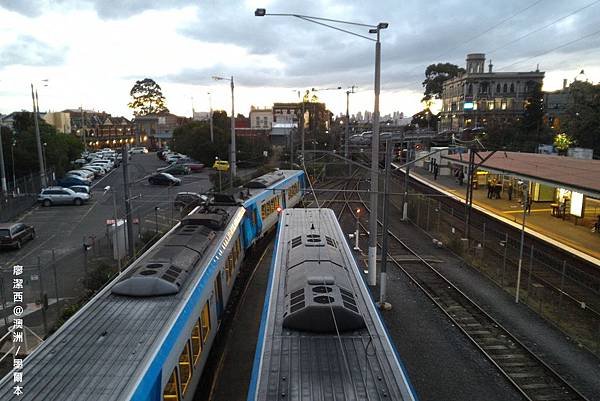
(544, 27)
(552, 49)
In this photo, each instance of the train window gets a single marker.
(171, 392)
(229, 267)
(269, 207)
(196, 342)
(185, 368)
(205, 320)
(293, 190)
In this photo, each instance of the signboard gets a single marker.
(468, 106)
(576, 205)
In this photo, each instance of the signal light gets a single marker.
(279, 209)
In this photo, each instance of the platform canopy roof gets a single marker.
(579, 175)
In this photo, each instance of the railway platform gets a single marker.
(563, 232)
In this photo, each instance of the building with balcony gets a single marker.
(477, 97)
(100, 129)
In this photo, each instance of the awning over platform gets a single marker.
(579, 175)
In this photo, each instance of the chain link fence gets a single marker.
(55, 288)
(563, 294)
(21, 196)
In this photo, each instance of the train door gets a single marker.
(219, 294)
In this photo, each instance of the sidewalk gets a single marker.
(539, 222)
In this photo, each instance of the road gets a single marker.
(63, 228)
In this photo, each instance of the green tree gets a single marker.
(435, 76)
(582, 118)
(562, 142)
(147, 98)
(531, 130)
(60, 148)
(425, 119)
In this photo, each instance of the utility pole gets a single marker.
(212, 138)
(38, 140)
(406, 179)
(232, 162)
(83, 128)
(128, 217)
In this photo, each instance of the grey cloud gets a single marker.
(30, 8)
(27, 50)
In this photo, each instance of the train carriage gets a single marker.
(321, 336)
(147, 335)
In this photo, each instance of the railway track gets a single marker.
(529, 374)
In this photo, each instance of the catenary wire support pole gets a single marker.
(525, 208)
(347, 133)
(386, 218)
(38, 140)
(406, 180)
(128, 216)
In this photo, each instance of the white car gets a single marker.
(139, 150)
(98, 170)
(174, 157)
(85, 174)
(105, 162)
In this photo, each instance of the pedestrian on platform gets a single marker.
(436, 171)
(510, 190)
(461, 177)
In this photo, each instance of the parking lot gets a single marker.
(64, 228)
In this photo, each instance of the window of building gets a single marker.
(196, 341)
(504, 88)
(185, 368)
(512, 88)
(171, 392)
(470, 89)
(205, 322)
(498, 88)
(491, 105)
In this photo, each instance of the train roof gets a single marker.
(102, 351)
(273, 180)
(336, 346)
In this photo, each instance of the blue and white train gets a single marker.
(146, 336)
(321, 335)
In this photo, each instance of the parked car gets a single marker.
(221, 165)
(84, 174)
(175, 169)
(189, 200)
(160, 153)
(163, 179)
(103, 162)
(139, 150)
(194, 166)
(97, 170)
(61, 196)
(69, 181)
(84, 189)
(15, 234)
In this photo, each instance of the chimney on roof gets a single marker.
(565, 83)
(490, 66)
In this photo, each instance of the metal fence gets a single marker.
(561, 293)
(55, 288)
(22, 195)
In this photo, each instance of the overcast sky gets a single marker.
(93, 51)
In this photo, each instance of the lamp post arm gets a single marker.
(333, 27)
(321, 19)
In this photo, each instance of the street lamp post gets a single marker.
(232, 165)
(374, 29)
(44, 153)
